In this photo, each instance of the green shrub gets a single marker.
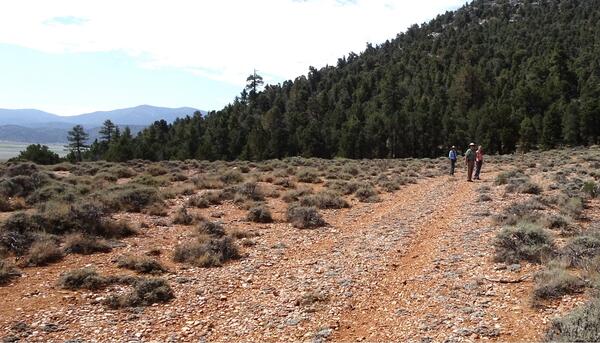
(591, 189)
(144, 265)
(129, 198)
(581, 325)
(304, 217)
(77, 243)
(39, 154)
(145, 292)
(259, 214)
(526, 241)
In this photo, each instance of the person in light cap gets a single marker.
(470, 160)
(453, 156)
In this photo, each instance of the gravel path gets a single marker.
(414, 267)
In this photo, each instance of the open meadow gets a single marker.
(301, 249)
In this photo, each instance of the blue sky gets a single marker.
(70, 56)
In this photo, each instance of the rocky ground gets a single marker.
(415, 267)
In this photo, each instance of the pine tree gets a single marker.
(571, 125)
(551, 131)
(528, 135)
(107, 131)
(77, 138)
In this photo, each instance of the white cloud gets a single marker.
(222, 39)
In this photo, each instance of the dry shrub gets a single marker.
(210, 228)
(44, 252)
(146, 292)
(8, 271)
(78, 243)
(526, 241)
(581, 325)
(307, 176)
(343, 187)
(581, 249)
(231, 177)
(144, 265)
(573, 207)
(156, 170)
(5, 205)
(304, 217)
(157, 209)
(249, 191)
(207, 182)
(205, 200)
(130, 198)
(553, 283)
(284, 182)
(367, 194)
(85, 278)
(294, 195)
(206, 251)
(324, 200)
(182, 217)
(259, 214)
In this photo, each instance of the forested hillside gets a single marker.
(503, 73)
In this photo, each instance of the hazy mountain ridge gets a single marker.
(35, 126)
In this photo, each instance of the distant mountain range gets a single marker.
(35, 126)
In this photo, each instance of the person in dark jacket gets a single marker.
(470, 160)
(453, 156)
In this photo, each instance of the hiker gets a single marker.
(470, 160)
(452, 156)
(478, 162)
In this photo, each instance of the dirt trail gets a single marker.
(411, 267)
(439, 285)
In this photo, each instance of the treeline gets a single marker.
(506, 74)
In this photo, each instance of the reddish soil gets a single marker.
(416, 266)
